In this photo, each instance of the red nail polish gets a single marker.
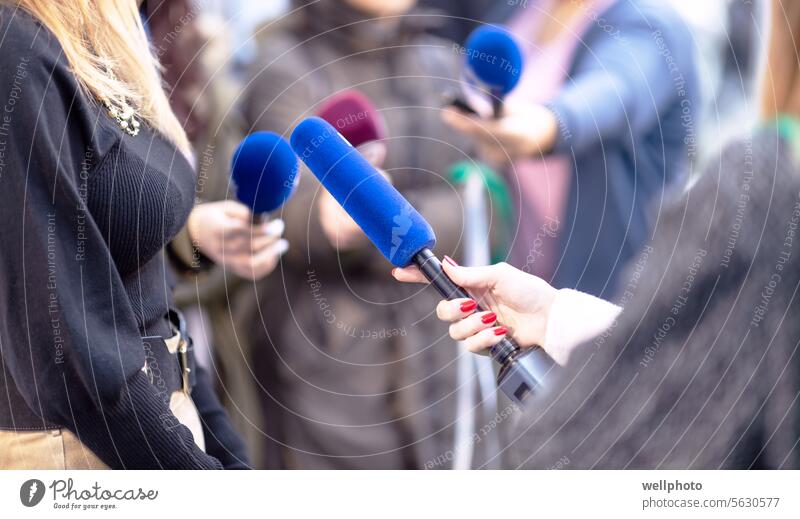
(468, 306)
(489, 318)
(450, 260)
(500, 330)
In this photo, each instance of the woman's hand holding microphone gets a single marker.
(520, 301)
(530, 310)
(225, 233)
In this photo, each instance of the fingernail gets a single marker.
(468, 306)
(500, 330)
(394, 270)
(275, 227)
(280, 247)
(450, 260)
(489, 318)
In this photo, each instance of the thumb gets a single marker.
(238, 211)
(480, 278)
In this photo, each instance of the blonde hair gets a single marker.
(781, 80)
(110, 55)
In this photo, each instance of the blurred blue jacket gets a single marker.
(626, 119)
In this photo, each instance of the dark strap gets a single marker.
(170, 372)
(166, 370)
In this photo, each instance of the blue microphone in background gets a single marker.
(265, 171)
(403, 236)
(494, 61)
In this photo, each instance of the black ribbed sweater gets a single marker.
(85, 214)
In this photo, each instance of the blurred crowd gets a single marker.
(328, 362)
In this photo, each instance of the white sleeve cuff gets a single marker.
(576, 317)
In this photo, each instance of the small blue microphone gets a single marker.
(265, 171)
(494, 60)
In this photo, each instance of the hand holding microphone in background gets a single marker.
(225, 233)
(342, 232)
(522, 130)
(494, 64)
(234, 234)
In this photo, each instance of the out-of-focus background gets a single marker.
(328, 362)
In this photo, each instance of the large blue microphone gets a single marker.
(385, 216)
(403, 236)
(265, 172)
(494, 61)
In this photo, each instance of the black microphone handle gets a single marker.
(522, 372)
(497, 106)
(431, 268)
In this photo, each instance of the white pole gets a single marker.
(473, 368)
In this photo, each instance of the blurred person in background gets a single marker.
(698, 368)
(357, 374)
(726, 36)
(194, 45)
(242, 19)
(598, 128)
(460, 17)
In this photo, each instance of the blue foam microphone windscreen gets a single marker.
(265, 171)
(494, 59)
(385, 216)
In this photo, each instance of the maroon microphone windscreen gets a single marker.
(354, 116)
